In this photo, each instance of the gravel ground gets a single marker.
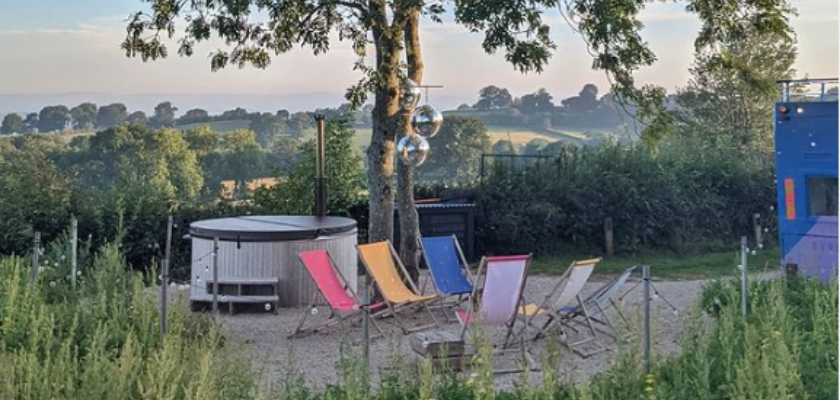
(316, 356)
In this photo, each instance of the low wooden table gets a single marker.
(442, 348)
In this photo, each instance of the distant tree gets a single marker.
(244, 158)
(12, 123)
(30, 124)
(194, 115)
(84, 116)
(298, 123)
(267, 126)
(493, 98)
(465, 107)
(235, 114)
(164, 116)
(283, 115)
(457, 151)
(504, 147)
(53, 118)
(137, 117)
(539, 101)
(111, 115)
(586, 100)
(535, 146)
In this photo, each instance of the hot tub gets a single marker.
(258, 257)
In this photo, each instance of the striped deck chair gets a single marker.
(599, 301)
(342, 300)
(448, 269)
(564, 294)
(501, 296)
(394, 283)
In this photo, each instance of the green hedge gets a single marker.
(687, 198)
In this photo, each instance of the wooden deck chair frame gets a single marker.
(509, 326)
(431, 276)
(336, 317)
(555, 319)
(393, 309)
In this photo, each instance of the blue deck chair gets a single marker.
(447, 264)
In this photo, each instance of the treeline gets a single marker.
(88, 117)
(587, 110)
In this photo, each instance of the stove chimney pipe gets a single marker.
(320, 167)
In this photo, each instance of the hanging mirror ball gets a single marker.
(410, 94)
(413, 150)
(426, 121)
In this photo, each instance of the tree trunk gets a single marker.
(386, 122)
(409, 221)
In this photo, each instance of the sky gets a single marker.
(65, 52)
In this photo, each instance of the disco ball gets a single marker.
(413, 150)
(410, 94)
(426, 121)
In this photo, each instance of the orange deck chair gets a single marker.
(397, 288)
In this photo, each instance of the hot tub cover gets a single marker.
(270, 228)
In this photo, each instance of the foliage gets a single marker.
(493, 97)
(101, 340)
(345, 178)
(53, 118)
(689, 198)
(164, 116)
(34, 195)
(729, 101)
(111, 115)
(456, 152)
(12, 123)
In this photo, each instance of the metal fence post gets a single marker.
(743, 268)
(74, 246)
(215, 276)
(646, 279)
(366, 323)
(36, 255)
(164, 276)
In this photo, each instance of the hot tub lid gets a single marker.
(270, 228)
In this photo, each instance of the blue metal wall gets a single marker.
(806, 146)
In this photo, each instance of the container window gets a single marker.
(822, 195)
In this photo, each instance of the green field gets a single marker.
(220, 126)
(709, 265)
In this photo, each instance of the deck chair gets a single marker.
(448, 268)
(331, 285)
(397, 288)
(564, 294)
(599, 301)
(501, 296)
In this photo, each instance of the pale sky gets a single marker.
(58, 50)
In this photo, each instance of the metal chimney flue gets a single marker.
(320, 167)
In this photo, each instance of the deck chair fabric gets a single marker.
(565, 294)
(599, 301)
(396, 286)
(501, 297)
(446, 266)
(332, 286)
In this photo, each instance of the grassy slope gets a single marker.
(667, 266)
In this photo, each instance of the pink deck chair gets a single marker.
(332, 286)
(501, 297)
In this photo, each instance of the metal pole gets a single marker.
(215, 276)
(366, 323)
(36, 254)
(320, 167)
(646, 279)
(743, 267)
(164, 273)
(74, 245)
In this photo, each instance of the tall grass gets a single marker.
(101, 341)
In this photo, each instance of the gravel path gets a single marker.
(317, 356)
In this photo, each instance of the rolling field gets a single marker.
(220, 126)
